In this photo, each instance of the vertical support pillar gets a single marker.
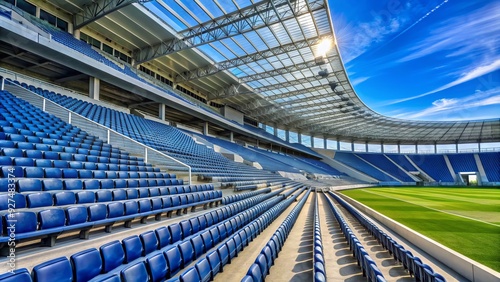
(205, 128)
(312, 140)
(275, 127)
(76, 34)
(338, 144)
(366, 146)
(257, 143)
(352, 145)
(287, 135)
(2, 83)
(382, 147)
(325, 142)
(435, 148)
(37, 12)
(231, 136)
(479, 145)
(416, 148)
(399, 148)
(161, 111)
(456, 147)
(94, 87)
(299, 135)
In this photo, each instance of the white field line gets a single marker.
(450, 213)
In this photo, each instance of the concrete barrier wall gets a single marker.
(461, 264)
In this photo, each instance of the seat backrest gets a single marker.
(97, 212)
(76, 215)
(85, 197)
(186, 228)
(189, 275)
(157, 267)
(133, 248)
(203, 269)
(18, 275)
(51, 218)
(115, 209)
(174, 260)
(112, 255)
(58, 269)
(135, 272)
(104, 196)
(207, 240)
(175, 232)
(163, 236)
(64, 198)
(131, 207)
(73, 184)
(87, 264)
(36, 200)
(149, 241)
(187, 252)
(215, 264)
(198, 246)
(28, 185)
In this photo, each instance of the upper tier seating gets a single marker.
(434, 165)
(491, 164)
(380, 161)
(355, 162)
(463, 162)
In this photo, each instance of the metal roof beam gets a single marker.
(280, 71)
(240, 21)
(97, 9)
(212, 69)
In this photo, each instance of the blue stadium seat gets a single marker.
(58, 269)
(187, 252)
(133, 248)
(174, 260)
(198, 246)
(73, 184)
(119, 195)
(87, 264)
(163, 236)
(175, 232)
(186, 228)
(18, 275)
(36, 200)
(28, 185)
(223, 252)
(190, 275)
(157, 267)
(255, 273)
(51, 218)
(23, 162)
(64, 198)
(149, 241)
(131, 207)
(103, 196)
(215, 263)
(115, 209)
(34, 172)
(85, 197)
(76, 215)
(97, 212)
(203, 269)
(261, 261)
(52, 172)
(91, 184)
(112, 255)
(18, 199)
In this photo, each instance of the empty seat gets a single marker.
(198, 246)
(76, 215)
(27, 185)
(163, 236)
(133, 248)
(58, 269)
(112, 255)
(85, 197)
(187, 252)
(73, 184)
(190, 275)
(149, 241)
(86, 264)
(157, 267)
(52, 172)
(174, 260)
(18, 275)
(51, 218)
(24, 221)
(34, 172)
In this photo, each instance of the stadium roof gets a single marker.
(276, 61)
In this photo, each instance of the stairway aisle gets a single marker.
(340, 265)
(294, 262)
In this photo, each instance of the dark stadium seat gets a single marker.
(189, 275)
(187, 252)
(51, 218)
(133, 248)
(17, 275)
(174, 260)
(203, 269)
(149, 241)
(163, 236)
(29, 185)
(135, 272)
(157, 267)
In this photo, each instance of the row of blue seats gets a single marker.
(319, 272)
(53, 184)
(233, 234)
(49, 223)
(62, 198)
(160, 254)
(238, 197)
(265, 260)
(42, 159)
(414, 265)
(367, 264)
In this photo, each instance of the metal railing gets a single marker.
(135, 148)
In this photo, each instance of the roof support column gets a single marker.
(325, 142)
(275, 127)
(94, 87)
(2, 83)
(338, 144)
(299, 136)
(382, 147)
(435, 148)
(231, 136)
(205, 129)
(287, 135)
(478, 142)
(76, 34)
(312, 141)
(352, 145)
(416, 148)
(399, 148)
(161, 111)
(366, 146)
(456, 147)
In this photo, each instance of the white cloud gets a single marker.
(458, 108)
(359, 80)
(476, 72)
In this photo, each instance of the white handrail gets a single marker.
(109, 130)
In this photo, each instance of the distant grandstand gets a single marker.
(176, 141)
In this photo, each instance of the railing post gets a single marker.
(43, 104)
(69, 117)
(109, 137)
(145, 154)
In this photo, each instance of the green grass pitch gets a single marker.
(465, 220)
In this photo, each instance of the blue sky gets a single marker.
(422, 59)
